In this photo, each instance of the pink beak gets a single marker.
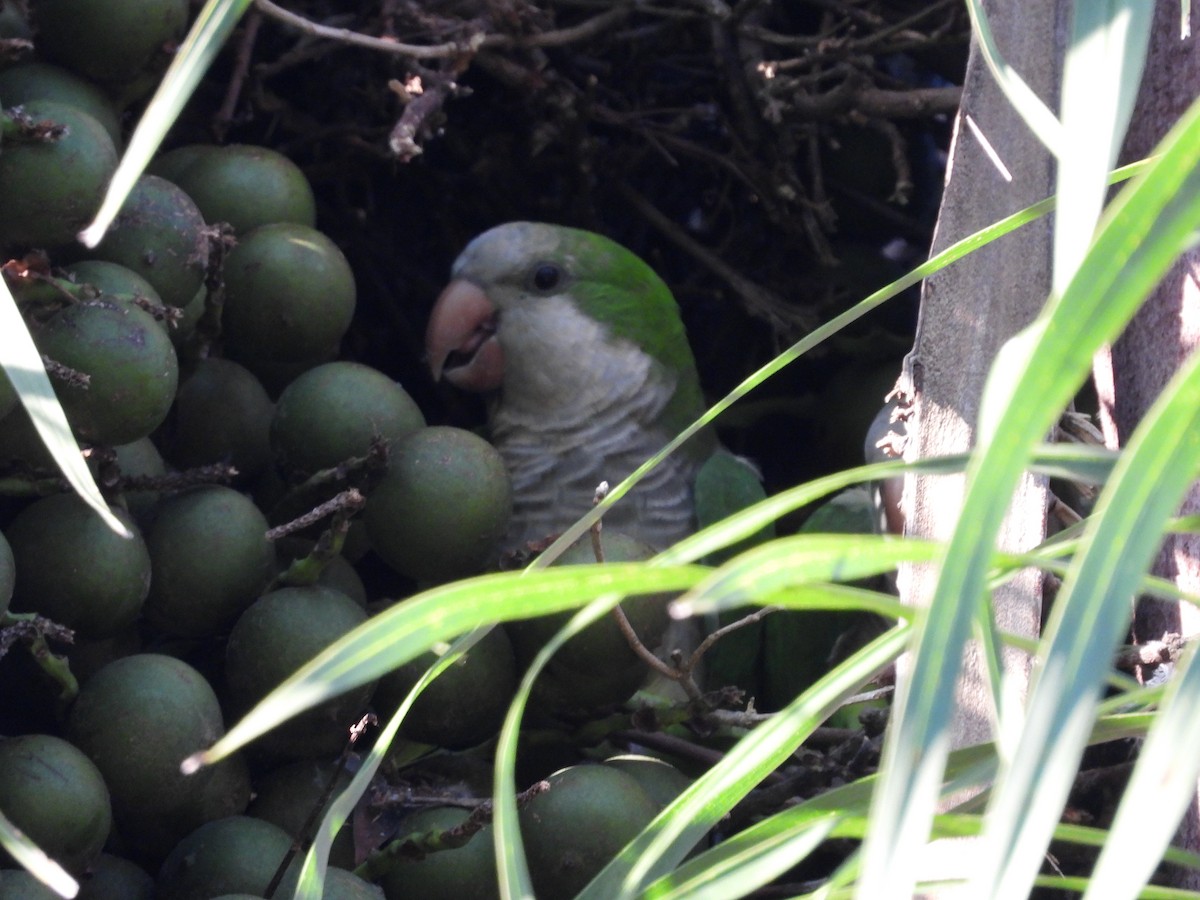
(460, 341)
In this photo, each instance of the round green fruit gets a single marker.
(289, 796)
(210, 558)
(575, 828)
(110, 278)
(17, 884)
(52, 188)
(56, 796)
(130, 363)
(233, 855)
(247, 186)
(42, 81)
(222, 414)
(289, 295)
(597, 667)
(114, 878)
(140, 459)
(333, 412)
(443, 506)
(336, 572)
(280, 632)
(72, 568)
(137, 719)
(161, 235)
(463, 873)
(109, 40)
(172, 164)
(465, 704)
(601, 646)
(661, 781)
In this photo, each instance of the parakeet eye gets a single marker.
(547, 276)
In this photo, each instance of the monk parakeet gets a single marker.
(580, 349)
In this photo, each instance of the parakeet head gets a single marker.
(533, 306)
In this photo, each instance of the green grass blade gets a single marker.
(660, 847)
(413, 626)
(786, 562)
(23, 365)
(34, 859)
(1041, 121)
(1160, 790)
(311, 883)
(208, 34)
(1031, 381)
(848, 804)
(735, 873)
(1074, 462)
(950, 255)
(1101, 74)
(1090, 616)
(1158, 793)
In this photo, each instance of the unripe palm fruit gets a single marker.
(109, 40)
(131, 366)
(288, 795)
(42, 81)
(222, 414)
(237, 854)
(661, 781)
(72, 568)
(137, 719)
(576, 827)
(53, 187)
(247, 186)
(210, 559)
(333, 412)
(57, 796)
(463, 873)
(289, 295)
(160, 234)
(115, 878)
(279, 633)
(443, 506)
(465, 704)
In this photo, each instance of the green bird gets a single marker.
(582, 354)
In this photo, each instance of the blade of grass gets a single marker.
(35, 860)
(950, 255)
(204, 41)
(1101, 73)
(1159, 792)
(311, 884)
(1037, 115)
(411, 627)
(665, 841)
(23, 365)
(1089, 618)
(1031, 381)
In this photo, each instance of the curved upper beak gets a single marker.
(460, 341)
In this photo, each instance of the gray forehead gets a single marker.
(505, 248)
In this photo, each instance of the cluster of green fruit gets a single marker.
(177, 348)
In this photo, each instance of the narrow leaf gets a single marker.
(1145, 229)
(208, 34)
(23, 365)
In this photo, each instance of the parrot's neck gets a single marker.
(578, 408)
